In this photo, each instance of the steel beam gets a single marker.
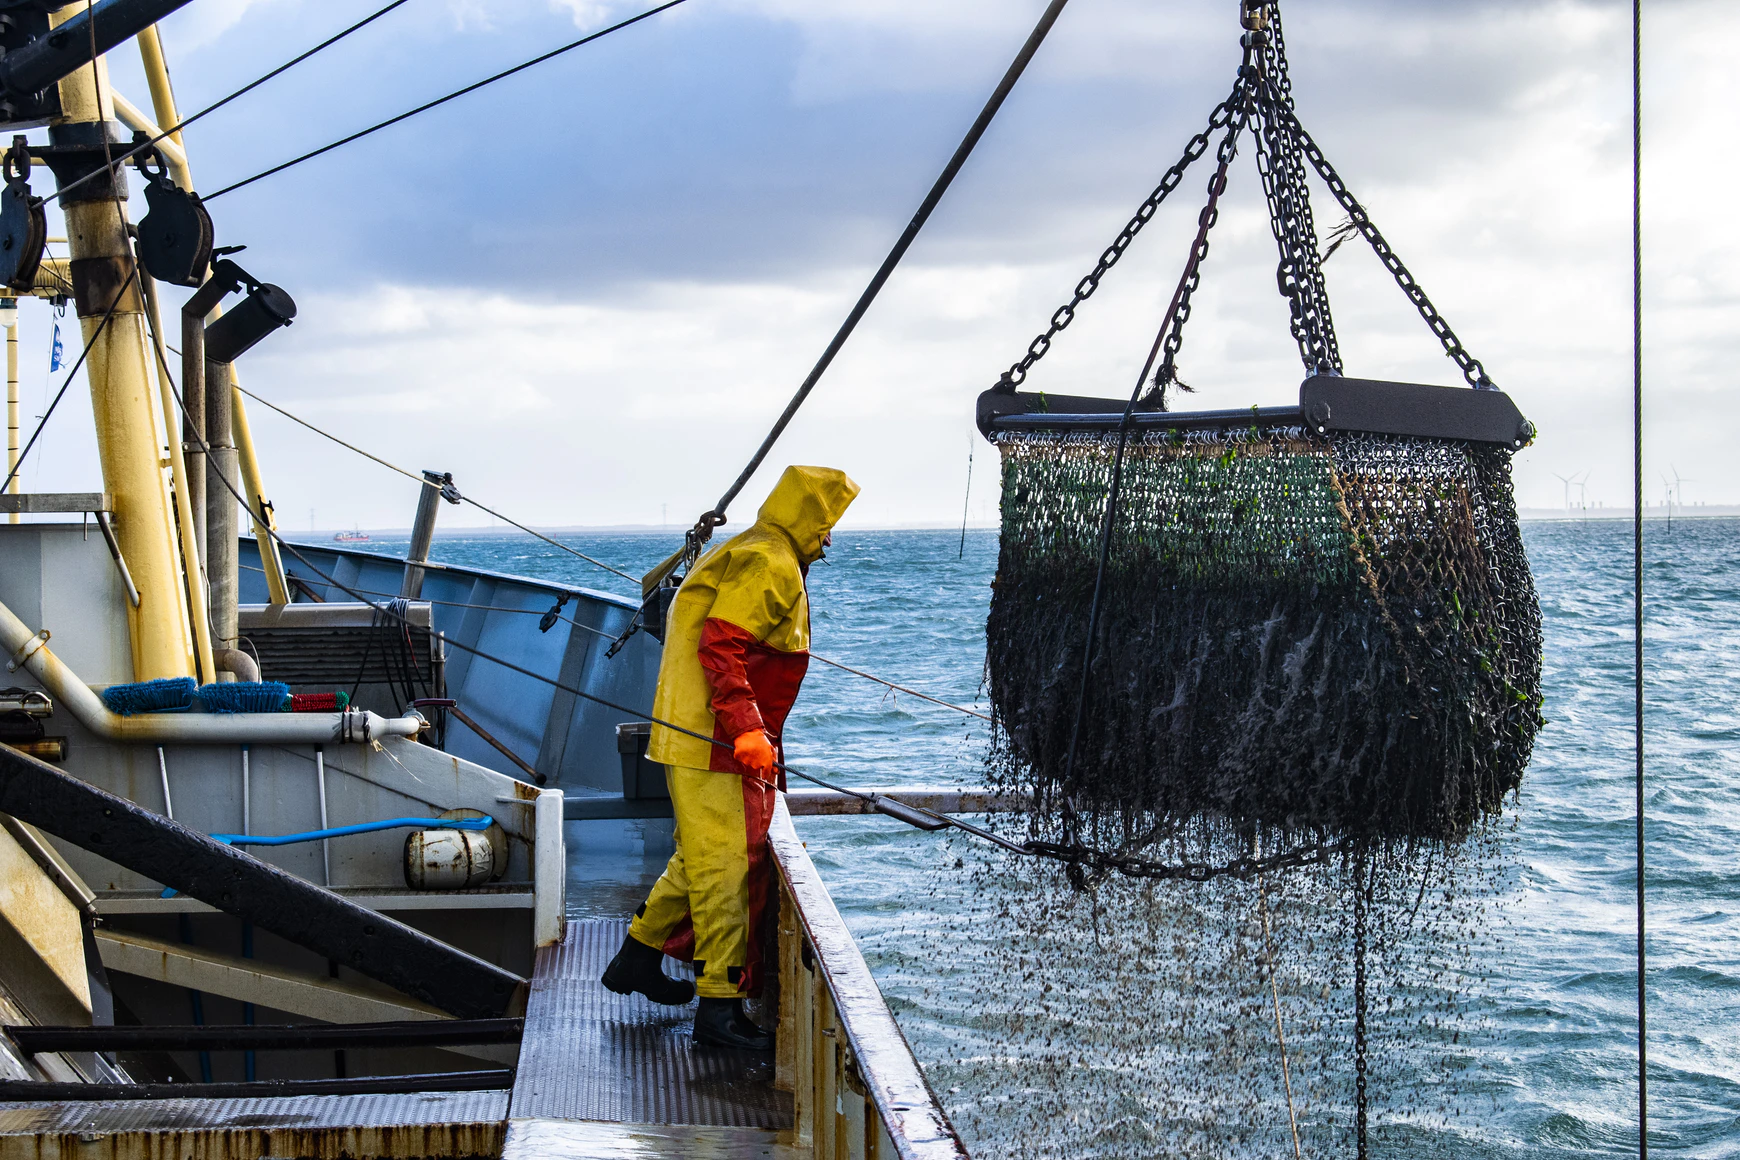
(23, 1091)
(237, 883)
(267, 1037)
(33, 67)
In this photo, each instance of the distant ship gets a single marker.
(351, 537)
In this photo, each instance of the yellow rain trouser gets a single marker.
(711, 902)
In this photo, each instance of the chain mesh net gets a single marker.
(1311, 640)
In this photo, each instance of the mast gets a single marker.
(128, 424)
(259, 508)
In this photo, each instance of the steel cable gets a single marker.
(421, 481)
(716, 517)
(438, 101)
(1637, 552)
(215, 106)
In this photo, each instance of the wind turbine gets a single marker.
(1566, 480)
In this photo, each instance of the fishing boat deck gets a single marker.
(590, 1056)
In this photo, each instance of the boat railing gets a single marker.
(858, 1092)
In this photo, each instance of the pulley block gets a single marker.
(175, 238)
(23, 222)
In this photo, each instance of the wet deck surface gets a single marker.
(591, 1055)
(600, 1076)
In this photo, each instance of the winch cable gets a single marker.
(1637, 551)
(463, 498)
(574, 552)
(172, 130)
(439, 101)
(703, 529)
(915, 816)
(389, 612)
(599, 632)
(60, 394)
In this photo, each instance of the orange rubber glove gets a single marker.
(753, 750)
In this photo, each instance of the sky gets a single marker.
(588, 290)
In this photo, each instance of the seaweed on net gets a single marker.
(1321, 642)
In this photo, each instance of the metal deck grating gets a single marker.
(359, 1111)
(591, 1055)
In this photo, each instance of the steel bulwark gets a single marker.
(230, 880)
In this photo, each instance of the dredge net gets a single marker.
(1316, 677)
(1312, 642)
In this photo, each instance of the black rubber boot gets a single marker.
(639, 969)
(722, 1023)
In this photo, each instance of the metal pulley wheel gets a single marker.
(23, 222)
(175, 237)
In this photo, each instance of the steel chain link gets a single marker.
(1174, 341)
(1299, 274)
(1084, 289)
(1472, 370)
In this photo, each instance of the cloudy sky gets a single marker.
(587, 291)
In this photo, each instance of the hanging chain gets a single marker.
(1217, 120)
(1299, 273)
(1167, 374)
(1471, 368)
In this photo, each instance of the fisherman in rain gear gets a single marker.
(736, 647)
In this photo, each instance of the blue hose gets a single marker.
(473, 825)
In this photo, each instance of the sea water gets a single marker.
(1545, 1049)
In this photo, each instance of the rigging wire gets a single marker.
(1637, 550)
(420, 480)
(215, 106)
(612, 636)
(913, 815)
(438, 101)
(711, 519)
(60, 394)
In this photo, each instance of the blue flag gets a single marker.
(55, 351)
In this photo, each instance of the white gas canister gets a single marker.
(448, 859)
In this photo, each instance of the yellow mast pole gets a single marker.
(12, 411)
(127, 419)
(253, 486)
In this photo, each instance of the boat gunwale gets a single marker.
(436, 566)
(915, 1122)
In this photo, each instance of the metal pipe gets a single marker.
(494, 743)
(259, 507)
(247, 795)
(12, 412)
(193, 423)
(221, 489)
(32, 67)
(192, 569)
(134, 117)
(423, 532)
(111, 317)
(325, 843)
(237, 664)
(163, 772)
(108, 531)
(353, 726)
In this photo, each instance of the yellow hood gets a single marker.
(805, 504)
